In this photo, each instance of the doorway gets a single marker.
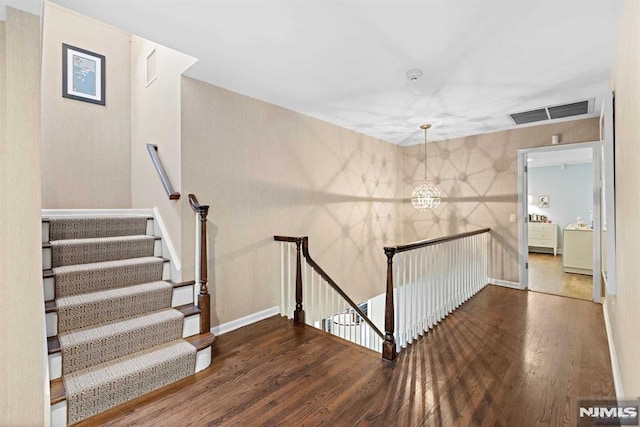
(560, 244)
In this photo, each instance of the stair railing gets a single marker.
(328, 307)
(430, 279)
(201, 263)
(168, 188)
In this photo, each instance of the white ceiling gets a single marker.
(559, 157)
(344, 61)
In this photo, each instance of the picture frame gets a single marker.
(83, 75)
(543, 201)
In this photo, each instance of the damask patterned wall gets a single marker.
(478, 176)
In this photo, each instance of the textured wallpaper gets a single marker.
(478, 176)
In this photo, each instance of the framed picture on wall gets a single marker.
(543, 201)
(83, 75)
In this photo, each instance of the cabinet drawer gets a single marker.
(534, 226)
(542, 243)
(541, 235)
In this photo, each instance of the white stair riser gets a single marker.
(59, 410)
(52, 324)
(59, 414)
(190, 327)
(203, 359)
(55, 366)
(150, 227)
(46, 258)
(45, 232)
(181, 296)
(49, 284)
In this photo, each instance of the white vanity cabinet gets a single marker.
(543, 235)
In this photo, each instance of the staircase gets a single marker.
(117, 327)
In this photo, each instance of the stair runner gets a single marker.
(119, 336)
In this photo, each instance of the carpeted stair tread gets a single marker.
(104, 386)
(98, 276)
(91, 346)
(85, 251)
(84, 227)
(90, 309)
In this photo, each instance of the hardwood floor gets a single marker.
(505, 357)
(546, 275)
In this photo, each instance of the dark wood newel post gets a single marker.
(204, 299)
(298, 314)
(389, 344)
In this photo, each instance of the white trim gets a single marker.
(523, 249)
(203, 359)
(88, 212)
(244, 321)
(506, 283)
(617, 379)
(176, 265)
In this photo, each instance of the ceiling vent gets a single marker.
(553, 112)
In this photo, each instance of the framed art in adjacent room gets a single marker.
(543, 201)
(83, 75)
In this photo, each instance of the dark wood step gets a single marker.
(53, 343)
(58, 393)
(201, 341)
(181, 284)
(188, 309)
(50, 306)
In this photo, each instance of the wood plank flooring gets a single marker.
(505, 357)
(547, 275)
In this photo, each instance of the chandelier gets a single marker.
(425, 196)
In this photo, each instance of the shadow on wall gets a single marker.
(264, 171)
(479, 185)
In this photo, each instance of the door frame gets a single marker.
(523, 229)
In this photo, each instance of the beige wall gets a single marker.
(22, 352)
(86, 148)
(155, 119)
(623, 307)
(266, 170)
(478, 175)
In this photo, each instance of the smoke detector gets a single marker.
(414, 74)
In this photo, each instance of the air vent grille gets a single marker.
(553, 112)
(530, 116)
(568, 110)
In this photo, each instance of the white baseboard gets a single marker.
(617, 380)
(244, 321)
(505, 283)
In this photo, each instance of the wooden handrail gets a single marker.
(168, 188)
(304, 242)
(204, 299)
(431, 242)
(389, 344)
